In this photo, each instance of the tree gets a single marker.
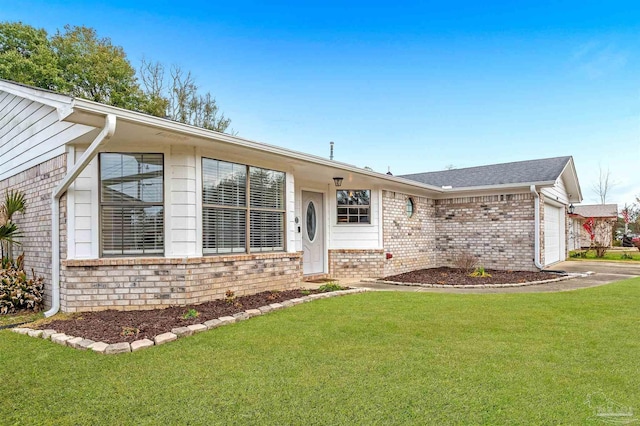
(26, 56)
(178, 94)
(604, 185)
(78, 62)
(95, 69)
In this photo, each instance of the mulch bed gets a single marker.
(454, 276)
(127, 326)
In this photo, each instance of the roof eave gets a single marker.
(504, 186)
(62, 103)
(91, 113)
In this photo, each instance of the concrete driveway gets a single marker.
(603, 273)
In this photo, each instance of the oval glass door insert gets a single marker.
(311, 221)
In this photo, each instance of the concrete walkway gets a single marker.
(604, 273)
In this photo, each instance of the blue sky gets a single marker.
(411, 86)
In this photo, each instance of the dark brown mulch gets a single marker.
(454, 276)
(126, 326)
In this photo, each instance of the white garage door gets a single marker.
(554, 244)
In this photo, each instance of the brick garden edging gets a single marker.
(563, 278)
(123, 347)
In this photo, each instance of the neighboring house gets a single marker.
(130, 211)
(605, 217)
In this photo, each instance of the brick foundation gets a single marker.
(148, 283)
(37, 184)
(350, 263)
(497, 229)
(410, 240)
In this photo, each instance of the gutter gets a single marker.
(536, 249)
(107, 132)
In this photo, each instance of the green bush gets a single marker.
(332, 286)
(18, 292)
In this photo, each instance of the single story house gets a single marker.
(130, 211)
(605, 217)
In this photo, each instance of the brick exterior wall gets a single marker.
(410, 240)
(37, 183)
(148, 283)
(353, 263)
(497, 229)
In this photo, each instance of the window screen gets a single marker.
(131, 204)
(233, 216)
(354, 206)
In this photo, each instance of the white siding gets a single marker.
(180, 177)
(83, 210)
(557, 193)
(31, 133)
(291, 225)
(358, 236)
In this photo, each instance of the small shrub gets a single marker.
(18, 292)
(582, 254)
(190, 314)
(129, 331)
(626, 256)
(465, 261)
(480, 272)
(305, 292)
(229, 296)
(330, 286)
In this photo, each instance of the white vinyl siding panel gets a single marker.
(557, 193)
(355, 236)
(84, 217)
(31, 133)
(182, 226)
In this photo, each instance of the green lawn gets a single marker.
(374, 358)
(6, 320)
(610, 255)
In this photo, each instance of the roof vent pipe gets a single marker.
(331, 150)
(107, 131)
(536, 233)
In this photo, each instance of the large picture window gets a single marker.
(131, 204)
(243, 208)
(354, 206)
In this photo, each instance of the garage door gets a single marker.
(553, 234)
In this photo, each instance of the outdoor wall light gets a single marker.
(571, 209)
(338, 181)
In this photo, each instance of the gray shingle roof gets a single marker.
(546, 169)
(597, 210)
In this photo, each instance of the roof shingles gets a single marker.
(542, 170)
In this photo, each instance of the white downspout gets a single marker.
(536, 250)
(106, 133)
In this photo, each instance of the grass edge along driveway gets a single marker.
(374, 358)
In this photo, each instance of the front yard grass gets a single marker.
(375, 358)
(615, 255)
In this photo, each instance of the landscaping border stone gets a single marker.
(429, 285)
(81, 343)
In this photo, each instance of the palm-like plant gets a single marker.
(14, 202)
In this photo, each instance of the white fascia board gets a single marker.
(95, 108)
(62, 103)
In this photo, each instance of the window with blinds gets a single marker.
(243, 208)
(354, 206)
(131, 204)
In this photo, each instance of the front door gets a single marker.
(312, 232)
